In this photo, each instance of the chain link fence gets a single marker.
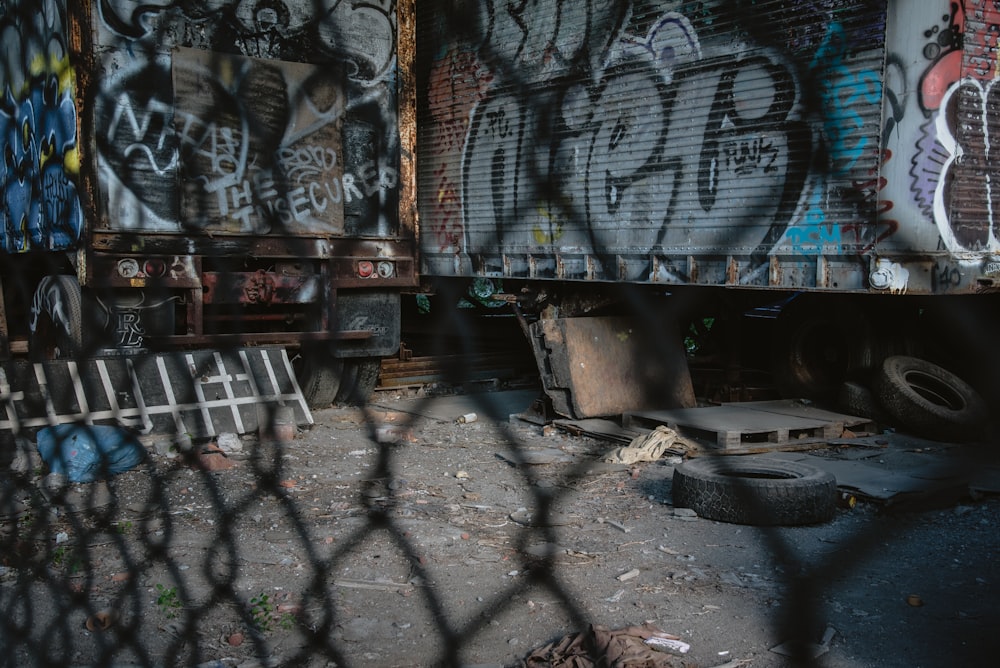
(285, 545)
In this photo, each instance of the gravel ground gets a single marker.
(381, 538)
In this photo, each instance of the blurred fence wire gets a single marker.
(139, 568)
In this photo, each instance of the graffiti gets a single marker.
(39, 163)
(644, 176)
(844, 94)
(890, 276)
(944, 50)
(967, 175)
(535, 40)
(222, 159)
(952, 174)
(361, 33)
(128, 329)
(867, 236)
(137, 146)
(681, 130)
(260, 165)
(815, 235)
(447, 213)
(458, 78)
(946, 277)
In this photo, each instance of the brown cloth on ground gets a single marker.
(601, 648)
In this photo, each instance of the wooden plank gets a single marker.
(731, 426)
(805, 410)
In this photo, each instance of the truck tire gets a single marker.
(929, 400)
(318, 374)
(56, 322)
(755, 491)
(358, 381)
(857, 398)
(819, 344)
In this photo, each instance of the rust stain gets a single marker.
(406, 46)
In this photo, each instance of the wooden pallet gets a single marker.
(752, 425)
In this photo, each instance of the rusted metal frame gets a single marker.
(406, 48)
(344, 274)
(258, 287)
(327, 296)
(83, 56)
(216, 245)
(196, 305)
(256, 338)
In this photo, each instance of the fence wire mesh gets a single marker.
(291, 544)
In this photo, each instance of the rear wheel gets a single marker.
(319, 376)
(817, 346)
(358, 381)
(56, 322)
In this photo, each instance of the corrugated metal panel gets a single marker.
(285, 149)
(936, 204)
(649, 141)
(972, 117)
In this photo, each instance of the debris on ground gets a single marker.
(809, 651)
(646, 448)
(85, 453)
(629, 646)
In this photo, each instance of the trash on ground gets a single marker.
(100, 621)
(645, 448)
(214, 459)
(806, 650)
(618, 525)
(85, 453)
(394, 434)
(669, 644)
(527, 518)
(229, 443)
(600, 647)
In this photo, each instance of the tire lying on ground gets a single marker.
(753, 490)
(930, 401)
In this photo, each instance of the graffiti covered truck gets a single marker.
(833, 156)
(190, 174)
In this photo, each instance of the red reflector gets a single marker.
(365, 269)
(155, 268)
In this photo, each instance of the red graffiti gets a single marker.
(447, 212)
(457, 82)
(972, 33)
(870, 189)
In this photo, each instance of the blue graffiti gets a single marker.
(37, 136)
(39, 159)
(842, 92)
(814, 235)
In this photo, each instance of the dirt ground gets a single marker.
(382, 537)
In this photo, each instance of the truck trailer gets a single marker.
(184, 175)
(824, 165)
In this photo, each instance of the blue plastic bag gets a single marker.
(85, 453)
